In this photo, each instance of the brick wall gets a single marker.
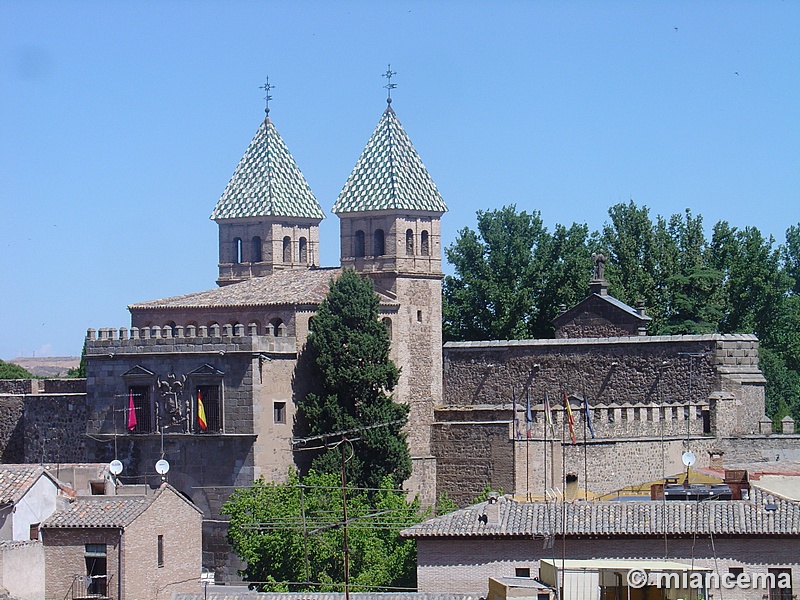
(464, 565)
(65, 558)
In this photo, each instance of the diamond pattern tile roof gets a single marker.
(267, 183)
(636, 518)
(389, 175)
(99, 511)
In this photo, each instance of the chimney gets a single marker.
(493, 509)
(715, 459)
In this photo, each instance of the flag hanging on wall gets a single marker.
(570, 419)
(201, 412)
(586, 414)
(517, 430)
(528, 414)
(131, 412)
(548, 414)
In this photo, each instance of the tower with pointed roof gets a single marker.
(389, 211)
(268, 216)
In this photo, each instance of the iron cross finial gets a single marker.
(267, 88)
(389, 85)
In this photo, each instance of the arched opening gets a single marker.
(424, 246)
(358, 244)
(278, 328)
(303, 251)
(237, 250)
(409, 242)
(387, 322)
(380, 243)
(287, 249)
(255, 251)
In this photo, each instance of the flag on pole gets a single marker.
(570, 419)
(528, 414)
(586, 414)
(548, 414)
(131, 412)
(201, 412)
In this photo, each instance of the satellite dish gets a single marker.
(162, 467)
(688, 458)
(115, 466)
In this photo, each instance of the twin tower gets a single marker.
(389, 211)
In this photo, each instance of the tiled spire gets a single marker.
(389, 175)
(267, 182)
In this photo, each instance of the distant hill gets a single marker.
(47, 366)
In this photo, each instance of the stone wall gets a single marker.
(55, 428)
(12, 429)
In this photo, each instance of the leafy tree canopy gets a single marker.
(348, 351)
(12, 371)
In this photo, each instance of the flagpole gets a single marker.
(585, 458)
(544, 424)
(528, 425)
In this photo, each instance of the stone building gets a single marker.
(460, 551)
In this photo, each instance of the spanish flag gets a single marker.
(201, 412)
(570, 419)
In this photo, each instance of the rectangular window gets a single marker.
(141, 421)
(96, 570)
(209, 405)
(279, 412)
(34, 531)
(160, 551)
(522, 572)
(782, 588)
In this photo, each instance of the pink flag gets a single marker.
(131, 413)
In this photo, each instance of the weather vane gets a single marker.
(267, 88)
(389, 85)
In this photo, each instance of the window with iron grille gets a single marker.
(142, 419)
(208, 404)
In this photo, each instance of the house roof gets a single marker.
(389, 175)
(107, 511)
(291, 286)
(614, 518)
(594, 299)
(16, 480)
(267, 182)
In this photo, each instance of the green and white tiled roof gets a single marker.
(389, 175)
(267, 183)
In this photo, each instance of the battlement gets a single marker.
(216, 338)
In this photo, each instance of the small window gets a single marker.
(637, 414)
(610, 415)
(208, 409)
(736, 571)
(706, 421)
(419, 316)
(34, 531)
(255, 254)
(409, 242)
(139, 411)
(287, 249)
(358, 244)
(160, 544)
(303, 250)
(279, 412)
(522, 572)
(237, 250)
(424, 246)
(674, 413)
(782, 589)
(380, 243)
(98, 488)
(277, 327)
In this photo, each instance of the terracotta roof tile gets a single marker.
(16, 480)
(99, 511)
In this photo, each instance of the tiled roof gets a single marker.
(267, 183)
(389, 175)
(233, 595)
(16, 480)
(605, 518)
(99, 511)
(292, 286)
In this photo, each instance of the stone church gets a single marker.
(489, 412)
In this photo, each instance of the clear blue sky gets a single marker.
(122, 123)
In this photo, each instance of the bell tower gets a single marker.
(390, 211)
(268, 216)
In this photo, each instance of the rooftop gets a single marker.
(99, 511)
(389, 175)
(16, 480)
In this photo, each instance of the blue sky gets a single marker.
(122, 123)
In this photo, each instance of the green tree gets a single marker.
(348, 352)
(80, 370)
(291, 538)
(12, 371)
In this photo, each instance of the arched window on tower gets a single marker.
(380, 243)
(387, 322)
(303, 251)
(424, 246)
(358, 244)
(409, 242)
(255, 250)
(237, 250)
(287, 249)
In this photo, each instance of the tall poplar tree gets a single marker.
(348, 352)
